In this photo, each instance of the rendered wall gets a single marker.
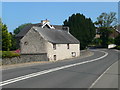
(62, 52)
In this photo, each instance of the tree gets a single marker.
(0, 34)
(6, 39)
(105, 23)
(97, 41)
(106, 20)
(82, 28)
(117, 40)
(17, 30)
(13, 42)
(104, 35)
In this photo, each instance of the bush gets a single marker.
(97, 41)
(9, 54)
(117, 40)
(118, 47)
(110, 41)
(0, 54)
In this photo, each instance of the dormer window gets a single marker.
(54, 46)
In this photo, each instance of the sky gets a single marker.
(17, 13)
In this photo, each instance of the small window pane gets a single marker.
(68, 47)
(54, 46)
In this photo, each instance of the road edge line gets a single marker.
(49, 70)
(101, 75)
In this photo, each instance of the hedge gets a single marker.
(9, 54)
(118, 47)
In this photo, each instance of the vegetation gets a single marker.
(117, 40)
(111, 41)
(82, 28)
(118, 47)
(6, 38)
(97, 41)
(106, 20)
(105, 23)
(0, 34)
(104, 35)
(9, 54)
(13, 41)
(0, 54)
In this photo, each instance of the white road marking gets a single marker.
(101, 76)
(48, 71)
(117, 50)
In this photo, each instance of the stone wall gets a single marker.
(24, 58)
(32, 42)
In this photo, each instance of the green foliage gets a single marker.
(9, 54)
(118, 47)
(13, 41)
(0, 34)
(104, 35)
(106, 20)
(82, 28)
(0, 54)
(117, 40)
(110, 41)
(17, 30)
(97, 41)
(6, 39)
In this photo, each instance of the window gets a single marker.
(54, 57)
(54, 46)
(68, 46)
(73, 54)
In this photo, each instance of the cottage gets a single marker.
(54, 40)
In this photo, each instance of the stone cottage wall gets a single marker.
(32, 42)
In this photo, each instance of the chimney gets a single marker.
(66, 28)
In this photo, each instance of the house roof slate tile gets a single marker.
(28, 27)
(56, 36)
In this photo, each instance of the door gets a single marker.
(54, 57)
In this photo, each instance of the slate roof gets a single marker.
(24, 30)
(56, 36)
(28, 27)
(59, 27)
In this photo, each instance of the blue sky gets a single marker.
(17, 13)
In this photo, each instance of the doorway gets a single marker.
(55, 57)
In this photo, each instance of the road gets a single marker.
(109, 79)
(75, 73)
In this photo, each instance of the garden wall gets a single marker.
(23, 58)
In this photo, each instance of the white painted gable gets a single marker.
(46, 22)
